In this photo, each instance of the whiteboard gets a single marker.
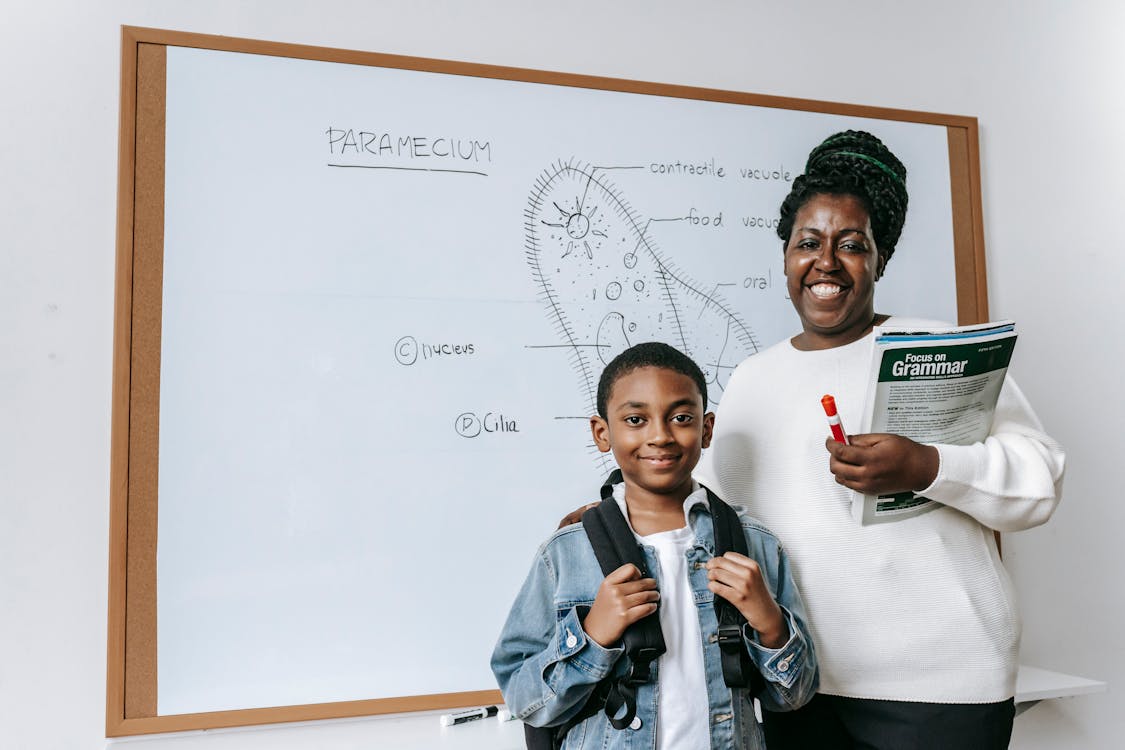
(386, 298)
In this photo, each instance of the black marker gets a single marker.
(449, 720)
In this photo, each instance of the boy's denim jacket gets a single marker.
(547, 667)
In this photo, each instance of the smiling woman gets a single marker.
(914, 621)
(840, 224)
(831, 264)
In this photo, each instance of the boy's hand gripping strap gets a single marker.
(738, 669)
(614, 545)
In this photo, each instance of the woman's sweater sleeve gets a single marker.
(1010, 482)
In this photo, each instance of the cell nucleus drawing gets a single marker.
(607, 286)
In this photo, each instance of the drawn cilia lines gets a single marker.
(607, 286)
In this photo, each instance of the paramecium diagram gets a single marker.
(606, 285)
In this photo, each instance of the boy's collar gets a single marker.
(698, 496)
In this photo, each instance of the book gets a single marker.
(938, 385)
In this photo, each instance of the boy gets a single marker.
(563, 633)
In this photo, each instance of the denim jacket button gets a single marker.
(783, 665)
(572, 640)
(636, 723)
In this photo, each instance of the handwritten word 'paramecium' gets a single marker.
(368, 143)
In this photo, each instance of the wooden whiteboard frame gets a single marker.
(131, 705)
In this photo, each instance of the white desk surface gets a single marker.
(1035, 684)
(422, 731)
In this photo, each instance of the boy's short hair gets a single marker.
(648, 354)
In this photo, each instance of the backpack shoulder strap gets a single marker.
(609, 532)
(738, 669)
(728, 528)
(614, 545)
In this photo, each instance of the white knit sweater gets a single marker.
(916, 610)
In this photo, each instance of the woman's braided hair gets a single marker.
(853, 163)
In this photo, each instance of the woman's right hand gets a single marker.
(623, 598)
(881, 463)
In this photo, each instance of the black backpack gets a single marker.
(614, 545)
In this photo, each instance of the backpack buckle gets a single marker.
(640, 666)
(730, 637)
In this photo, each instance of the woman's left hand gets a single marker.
(881, 463)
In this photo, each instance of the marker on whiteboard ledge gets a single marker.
(829, 404)
(450, 720)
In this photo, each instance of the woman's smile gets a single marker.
(825, 291)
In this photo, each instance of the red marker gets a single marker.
(837, 428)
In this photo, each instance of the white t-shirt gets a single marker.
(682, 707)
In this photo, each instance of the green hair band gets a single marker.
(870, 160)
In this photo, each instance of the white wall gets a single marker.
(1045, 80)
